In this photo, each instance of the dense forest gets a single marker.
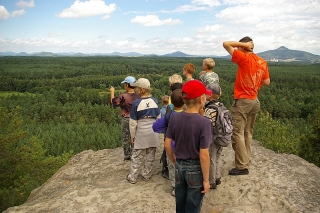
(54, 107)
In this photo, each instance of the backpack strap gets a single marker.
(170, 108)
(168, 115)
(213, 102)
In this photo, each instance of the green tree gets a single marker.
(23, 166)
(310, 145)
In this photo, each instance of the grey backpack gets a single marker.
(222, 131)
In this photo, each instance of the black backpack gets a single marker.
(221, 122)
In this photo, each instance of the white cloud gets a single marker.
(155, 40)
(127, 45)
(211, 28)
(25, 4)
(153, 20)
(179, 40)
(210, 3)
(252, 12)
(4, 14)
(37, 42)
(131, 39)
(273, 23)
(17, 13)
(197, 5)
(88, 8)
(243, 15)
(55, 34)
(189, 8)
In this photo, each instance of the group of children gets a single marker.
(192, 157)
(190, 144)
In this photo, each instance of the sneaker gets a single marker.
(127, 158)
(131, 181)
(173, 193)
(236, 171)
(145, 179)
(213, 186)
(218, 181)
(165, 175)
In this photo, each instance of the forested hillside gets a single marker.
(54, 107)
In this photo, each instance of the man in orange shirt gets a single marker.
(251, 75)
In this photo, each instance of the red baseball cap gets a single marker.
(193, 89)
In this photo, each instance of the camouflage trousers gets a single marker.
(172, 171)
(140, 156)
(126, 139)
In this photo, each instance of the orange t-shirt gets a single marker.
(252, 70)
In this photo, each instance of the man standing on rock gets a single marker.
(251, 75)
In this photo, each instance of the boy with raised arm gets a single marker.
(124, 101)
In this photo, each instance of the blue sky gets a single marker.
(195, 27)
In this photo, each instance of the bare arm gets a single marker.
(231, 45)
(205, 164)
(168, 147)
(132, 128)
(111, 93)
(265, 82)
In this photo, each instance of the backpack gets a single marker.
(222, 130)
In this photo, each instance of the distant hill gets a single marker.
(8, 53)
(287, 55)
(177, 54)
(44, 54)
(129, 54)
(282, 54)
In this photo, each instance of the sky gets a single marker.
(195, 27)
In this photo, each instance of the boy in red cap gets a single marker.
(192, 134)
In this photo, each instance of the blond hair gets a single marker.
(143, 92)
(192, 102)
(175, 78)
(165, 100)
(209, 62)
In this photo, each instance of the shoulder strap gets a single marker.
(213, 103)
(169, 111)
(171, 107)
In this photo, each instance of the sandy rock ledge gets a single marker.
(95, 182)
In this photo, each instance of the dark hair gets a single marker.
(175, 86)
(129, 85)
(176, 98)
(245, 39)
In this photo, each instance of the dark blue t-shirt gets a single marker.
(191, 132)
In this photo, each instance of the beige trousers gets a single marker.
(244, 113)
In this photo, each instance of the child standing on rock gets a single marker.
(215, 149)
(124, 101)
(192, 134)
(144, 113)
(162, 124)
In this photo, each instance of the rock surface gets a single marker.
(96, 182)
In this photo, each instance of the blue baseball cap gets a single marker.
(129, 80)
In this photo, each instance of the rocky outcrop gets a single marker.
(96, 182)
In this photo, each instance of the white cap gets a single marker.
(141, 82)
